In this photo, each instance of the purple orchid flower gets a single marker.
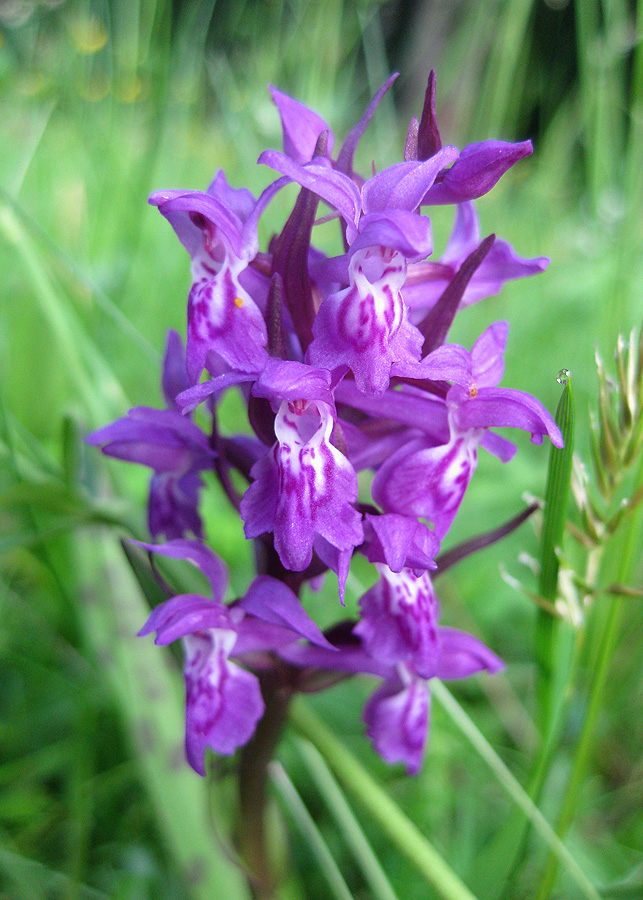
(400, 640)
(365, 326)
(170, 444)
(422, 479)
(304, 486)
(219, 231)
(223, 700)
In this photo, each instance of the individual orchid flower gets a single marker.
(302, 128)
(219, 230)
(304, 486)
(170, 444)
(428, 480)
(223, 700)
(400, 641)
(365, 327)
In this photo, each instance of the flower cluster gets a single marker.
(343, 366)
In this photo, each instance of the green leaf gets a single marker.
(555, 517)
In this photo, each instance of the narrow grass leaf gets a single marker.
(400, 829)
(306, 824)
(514, 789)
(351, 831)
(555, 517)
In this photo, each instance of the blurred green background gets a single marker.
(101, 103)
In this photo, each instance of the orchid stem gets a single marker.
(253, 783)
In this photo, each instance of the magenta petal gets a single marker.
(449, 362)
(301, 127)
(159, 438)
(240, 201)
(487, 355)
(181, 208)
(462, 655)
(426, 481)
(173, 506)
(476, 171)
(274, 602)
(335, 188)
(259, 503)
(189, 399)
(399, 617)
(185, 614)
(397, 229)
(199, 555)
(505, 407)
(174, 378)
(223, 318)
(289, 380)
(401, 541)
(351, 659)
(223, 701)
(397, 720)
(403, 186)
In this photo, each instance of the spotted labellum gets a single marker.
(363, 424)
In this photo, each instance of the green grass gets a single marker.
(101, 103)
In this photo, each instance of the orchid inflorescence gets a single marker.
(343, 366)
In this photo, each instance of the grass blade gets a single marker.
(306, 824)
(514, 789)
(351, 830)
(393, 822)
(555, 517)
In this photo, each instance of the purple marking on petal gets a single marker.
(397, 719)
(427, 481)
(365, 326)
(399, 622)
(223, 318)
(302, 487)
(223, 701)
